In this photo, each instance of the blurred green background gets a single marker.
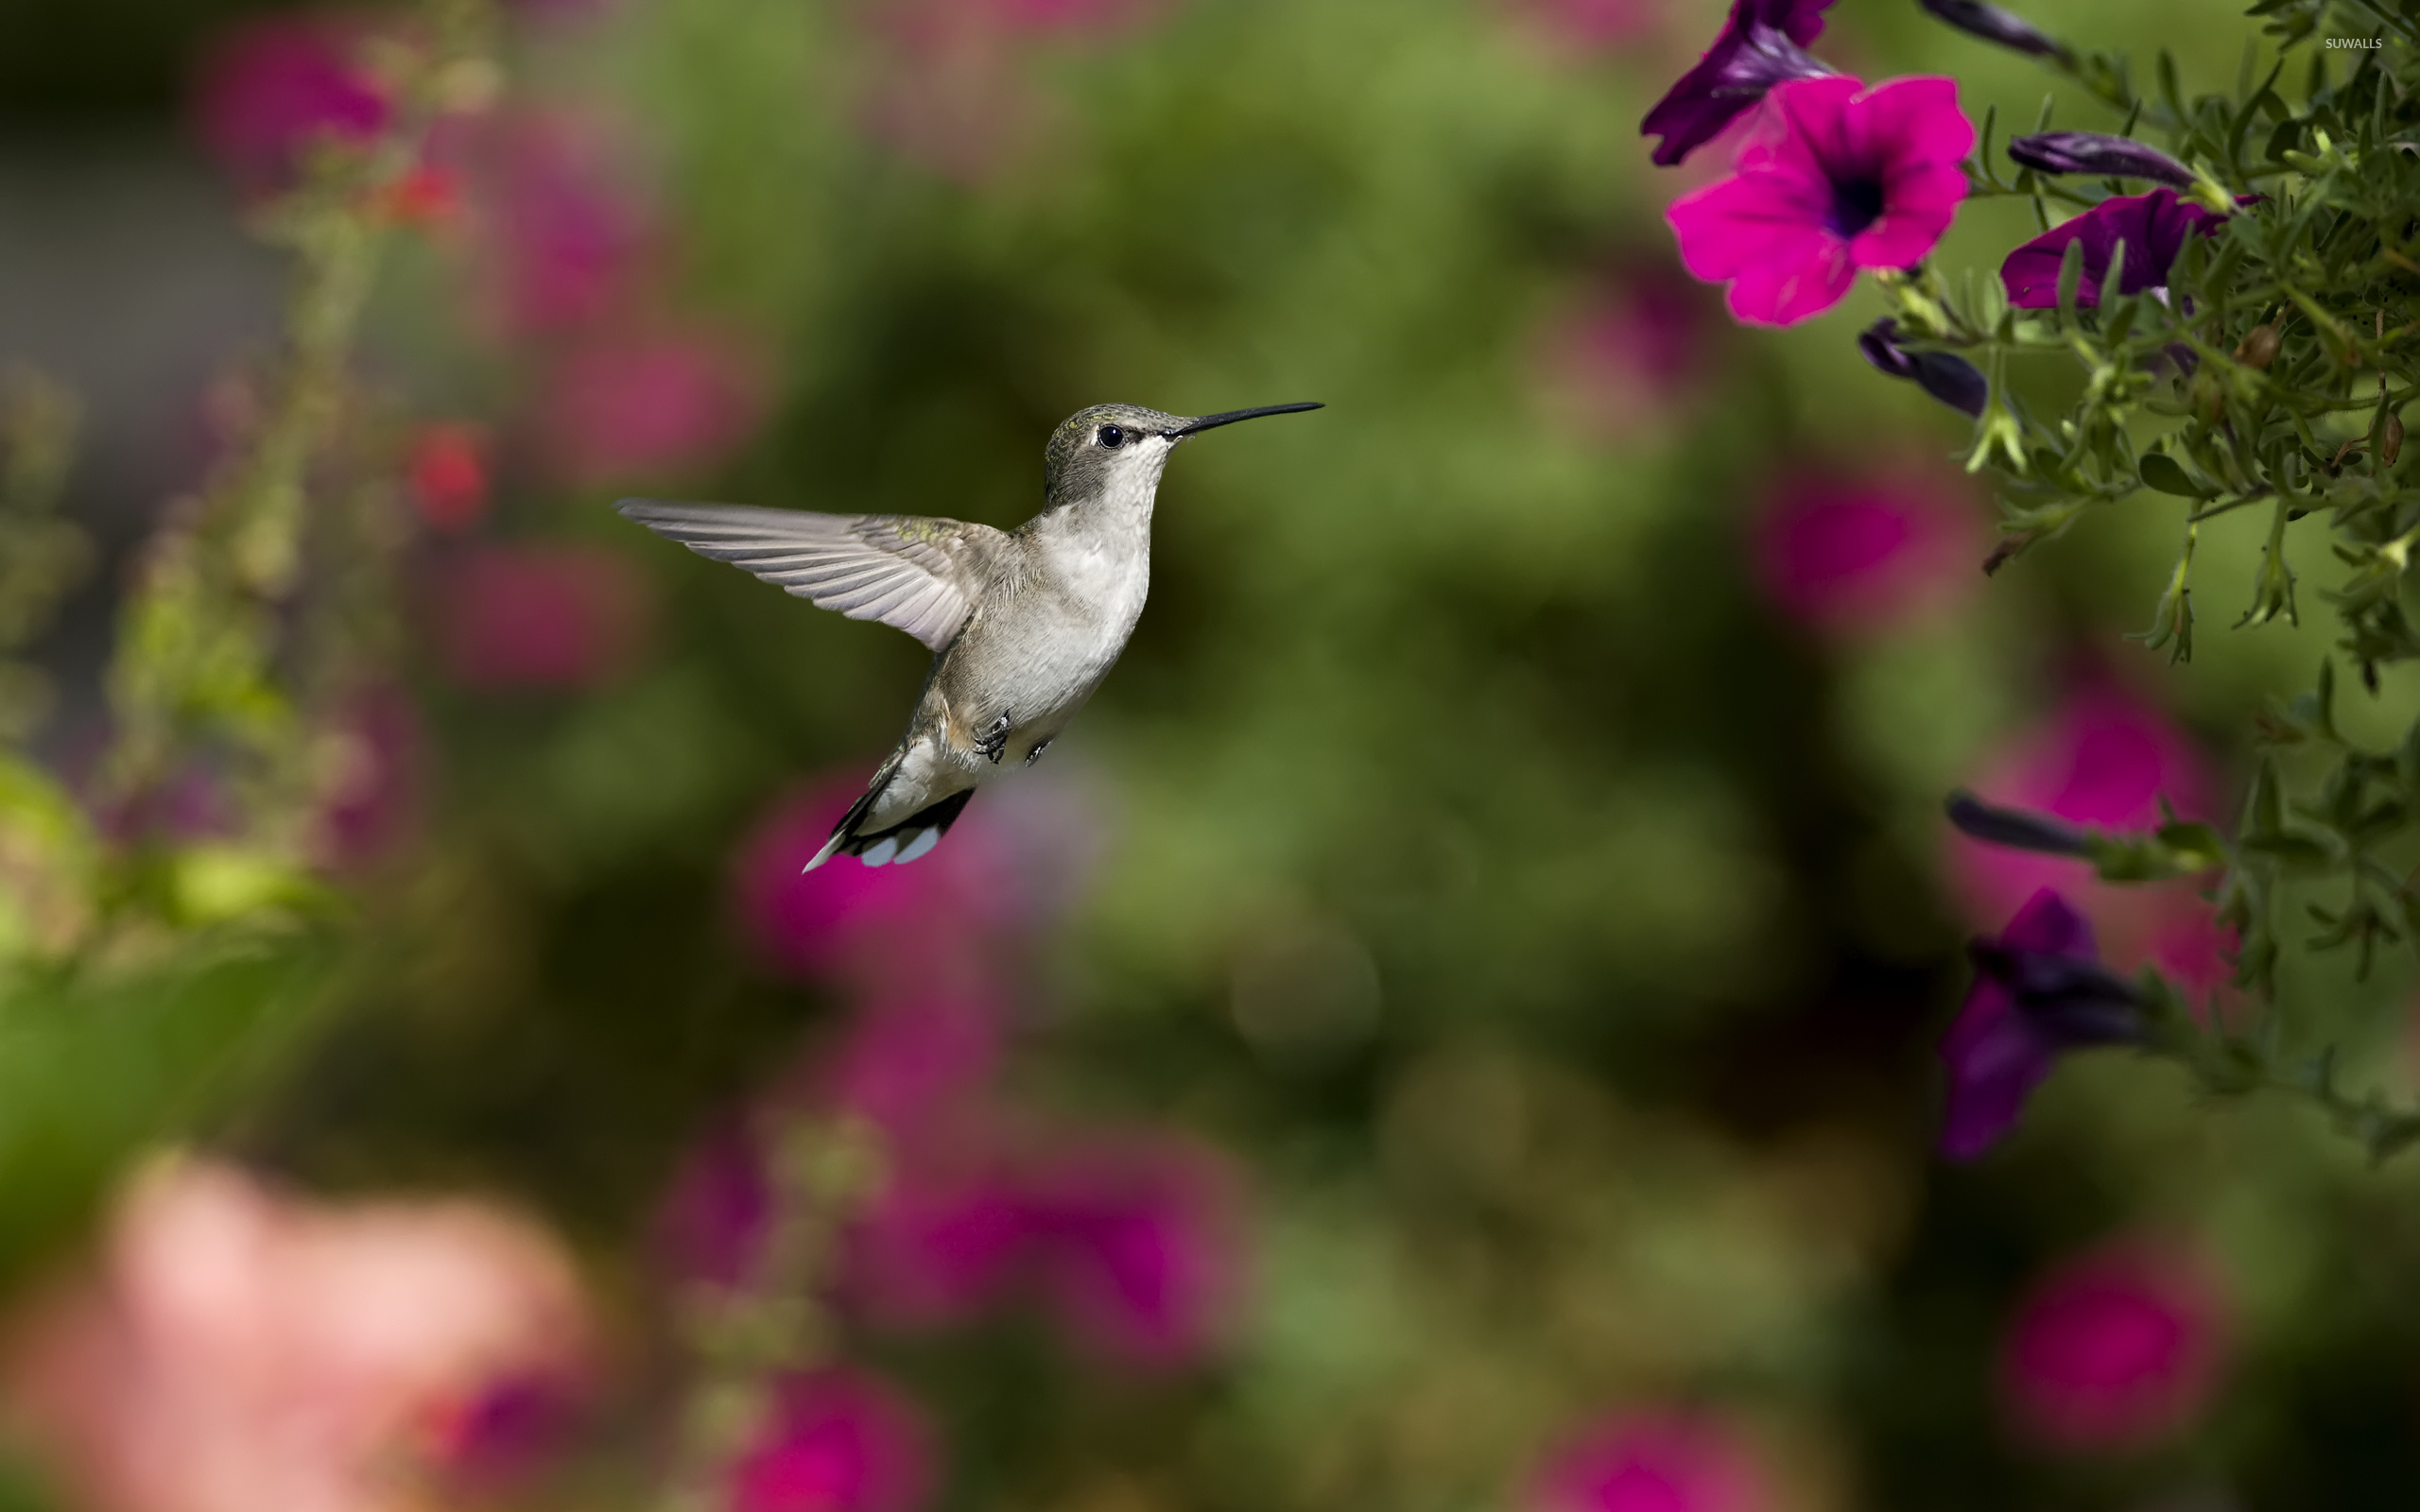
(1499, 841)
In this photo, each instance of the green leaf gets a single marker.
(2163, 473)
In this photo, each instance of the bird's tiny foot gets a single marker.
(1034, 755)
(993, 740)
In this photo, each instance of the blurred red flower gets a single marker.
(2103, 760)
(236, 1348)
(539, 616)
(447, 473)
(632, 405)
(1591, 25)
(836, 1441)
(1654, 1460)
(1869, 554)
(266, 87)
(2116, 1350)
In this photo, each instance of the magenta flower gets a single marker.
(836, 1441)
(950, 1236)
(2152, 226)
(1654, 1460)
(1627, 354)
(938, 924)
(634, 407)
(266, 88)
(1594, 24)
(2105, 760)
(1866, 555)
(1834, 178)
(539, 616)
(2040, 991)
(2118, 1349)
(1760, 45)
(1139, 1247)
(898, 1064)
(568, 233)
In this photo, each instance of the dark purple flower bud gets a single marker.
(2017, 829)
(2153, 227)
(2040, 991)
(2111, 157)
(1761, 45)
(1991, 24)
(1950, 378)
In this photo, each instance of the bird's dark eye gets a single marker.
(1109, 436)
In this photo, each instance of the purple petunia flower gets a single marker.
(1837, 177)
(1945, 376)
(2113, 157)
(2152, 226)
(2040, 991)
(1761, 45)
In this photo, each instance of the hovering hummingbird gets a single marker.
(1024, 624)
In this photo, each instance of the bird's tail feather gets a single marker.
(903, 842)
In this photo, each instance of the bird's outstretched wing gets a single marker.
(916, 575)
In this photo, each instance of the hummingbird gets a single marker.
(1023, 623)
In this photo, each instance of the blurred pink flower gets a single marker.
(2116, 1350)
(1656, 1460)
(946, 1240)
(647, 404)
(1138, 1244)
(568, 233)
(539, 616)
(446, 469)
(370, 789)
(933, 925)
(900, 1063)
(1089, 17)
(1592, 24)
(836, 1441)
(1623, 359)
(2105, 760)
(237, 1348)
(266, 87)
(947, 91)
(714, 1215)
(1867, 555)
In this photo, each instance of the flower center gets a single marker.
(1857, 203)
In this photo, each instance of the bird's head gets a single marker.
(1120, 449)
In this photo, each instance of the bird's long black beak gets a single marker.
(1232, 416)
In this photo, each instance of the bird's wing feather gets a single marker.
(915, 574)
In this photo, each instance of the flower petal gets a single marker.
(1798, 281)
(1725, 228)
(1918, 204)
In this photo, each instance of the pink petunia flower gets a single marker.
(1138, 1245)
(2104, 760)
(2118, 1349)
(1656, 1460)
(1834, 178)
(836, 1441)
(238, 1348)
(539, 616)
(1867, 555)
(266, 88)
(624, 406)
